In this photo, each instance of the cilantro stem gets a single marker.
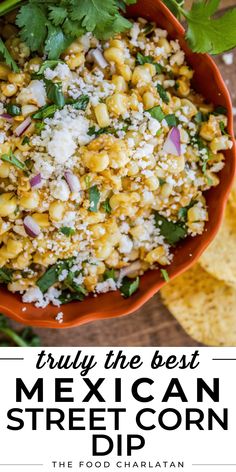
(14, 337)
(8, 5)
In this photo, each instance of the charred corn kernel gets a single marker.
(30, 201)
(56, 210)
(114, 55)
(166, 190)
(90, 282)
(118, 155)
(183, 87)
(98, 230)
(42, 219)
(141, 74)
(75, 60)
(117, 43)
(163, 43)
(13, 248)
(191, 109)
(4, 71)
(210, 129)
(104, 250)
(17, 78)
(102, 115)
(157, 255)
(197, 214)
(125, 71)
(184, 70)
(120, 83)
(117, 104)
(96, 161)
(4, 169)
(152, 183)
(175, 164)
(221, 144)
(9, 89)
(149, 100)
(8, 204)
(27, 110)
(34, 64)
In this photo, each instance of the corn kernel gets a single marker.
(102, 115)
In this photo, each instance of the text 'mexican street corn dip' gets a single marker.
(105, 156)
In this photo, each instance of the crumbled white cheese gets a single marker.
(61, 145)
(60, 190)
(228, 58)
(62, 72)
(59, 317)
(106, 286)
(125, 245)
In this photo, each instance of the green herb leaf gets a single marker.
(183, 212)
(94, 197)
(165, 275)
(172, 232)
(48, 65)
(201, 117)
(107, 130)
(222, 127)
(67, 231)
(106, 206)
(5, 275)
(162, 93)
(49, 278)
(56, 42)
(208, 34)
(25, 338)
(45, 112)
(129, 286)
(140, 59)
(171, 120)
(12, 159)
(30, 337)
(67, 296)
(4, 53)
(57, 14)
(220, 110)
(80, 103)
(25, 141)
(157, 113)
(54, 93)
(33, 23)
(13, 110)
(110, 274)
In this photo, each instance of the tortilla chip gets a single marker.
(219, 259)
(204, 306)
(232, 197)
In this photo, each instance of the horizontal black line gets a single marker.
(11, 358)
(224, 359)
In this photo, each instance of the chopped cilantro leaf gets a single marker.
(13, 110)
(12, 159)
(54, 93)
(162, 93)
(157, 113)
(110, 274)
(5, 275)
(94, 197)
(106, 206)
(172, 232)
(220, 110)
(107, 130)
(50, 277)
(25, 140)
(67, 231)
(140, 59)
(165, 275)
(45, 112)
(129, 286)
(183, 212)
(222, 127)
(171, 120)
(48, 65)
(80, 103)
(67, 296)
(200, 117)
(4, 53)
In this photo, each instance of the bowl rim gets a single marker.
(142, 298)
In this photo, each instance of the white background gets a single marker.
(31, 451)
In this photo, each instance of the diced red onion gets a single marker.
(35, 181)
(97, 56)
(133, 267)
(23, 126)
(31, 227)
(72, 181)
(7, 117)
(172, 143)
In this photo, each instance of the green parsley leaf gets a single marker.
(67, 230)
(129, 286)
(171, 120)
(12, 159)
(172, 232)
(110, 274)
(13, 110)
(49, 278)
(54, 93)
(56, 42)
(57, 14)
(5, 275)
(220, 110)
(157, 113)
(80, 103)
(94, 197)
(33, 23)
(48, 65)
(4, 53)
(208, 34)
(165, 275)
(45, 112)
(162, 93)
(106, 206)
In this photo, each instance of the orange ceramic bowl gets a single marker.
(208, 81)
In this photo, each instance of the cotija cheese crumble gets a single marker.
(105, 156)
